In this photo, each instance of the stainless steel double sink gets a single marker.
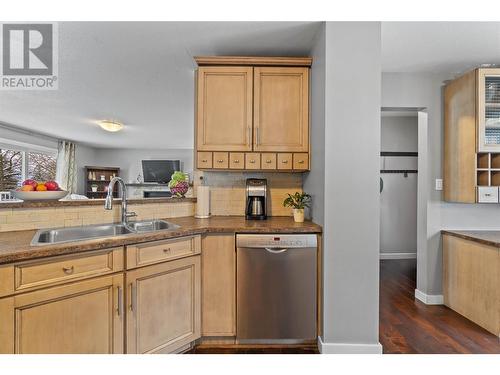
(70, 234)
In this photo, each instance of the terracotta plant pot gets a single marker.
(298, 215)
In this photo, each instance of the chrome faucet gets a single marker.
(108, 203)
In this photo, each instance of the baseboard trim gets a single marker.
(429, 299)
(345, 348)
(398, 256)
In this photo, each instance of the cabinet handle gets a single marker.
(68, 270)
(120, 300)
(204, 160)
(236, 161)
(220, 161)
(487, 195)
(301, 161)
(167, 250)
(258, 136)
(284, 161)
(269, 161)
(252, 161)
(133, 297)
(249, 136)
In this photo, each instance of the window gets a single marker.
(19, 165)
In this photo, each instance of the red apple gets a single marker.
(52, 185)
(30, 182)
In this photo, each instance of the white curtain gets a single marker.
(66, 171)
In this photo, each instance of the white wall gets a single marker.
(351, 223)
(398, 200)
(399, 133)
(129, 160)
(314, 180)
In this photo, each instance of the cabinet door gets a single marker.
(489, 110)
(281, 109)
(224, 112)
(218, 285)
(164, 312)
(81, 318)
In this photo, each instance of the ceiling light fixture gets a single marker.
(110, 126)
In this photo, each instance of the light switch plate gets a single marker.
(439, 184)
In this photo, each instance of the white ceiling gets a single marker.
(141, 74)
(439, 47)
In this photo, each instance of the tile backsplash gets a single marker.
(227, 191)
(13, 219)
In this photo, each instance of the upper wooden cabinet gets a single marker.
(224, 116)
(471, 167)
(281, 109)
(251, 107)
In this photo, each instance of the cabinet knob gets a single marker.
(68, 270)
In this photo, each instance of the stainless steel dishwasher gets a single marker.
(276, 288)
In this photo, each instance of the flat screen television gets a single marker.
(159, 171)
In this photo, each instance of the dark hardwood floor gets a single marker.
(409, 326)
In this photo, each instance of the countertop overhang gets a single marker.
(485, 237)
(15, 246)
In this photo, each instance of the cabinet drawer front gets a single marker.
(487, 194)
(35, 274)
(285, 161)
(236, 160)
(160, 251)
(300, 161)
(204, 160)
(221, 160)
(252, 160)
(268, 161)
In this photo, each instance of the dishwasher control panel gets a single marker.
(276, 240)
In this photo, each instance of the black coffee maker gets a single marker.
(256, 199)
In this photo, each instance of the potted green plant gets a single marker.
(298, 202)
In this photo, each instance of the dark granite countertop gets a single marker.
(15, 246)
(90, 202)
(485, 237)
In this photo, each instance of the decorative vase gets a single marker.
(298, 215)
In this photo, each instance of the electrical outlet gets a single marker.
(439, 184)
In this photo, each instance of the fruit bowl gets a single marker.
(39, 195)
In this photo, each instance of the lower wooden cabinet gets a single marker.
(83, 317)
(163, 306)
(471, 281)
(218, 285)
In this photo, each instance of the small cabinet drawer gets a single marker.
(29, 275)
(487, 194)
(268, 161)
(160, 251)
(300, 161)
(236, 160)
(252, 160)
(285, 161)
(204, 160)
(221, 160)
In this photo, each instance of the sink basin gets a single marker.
(59, 235)
(152, 225)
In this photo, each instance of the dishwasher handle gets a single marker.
(277, 250)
